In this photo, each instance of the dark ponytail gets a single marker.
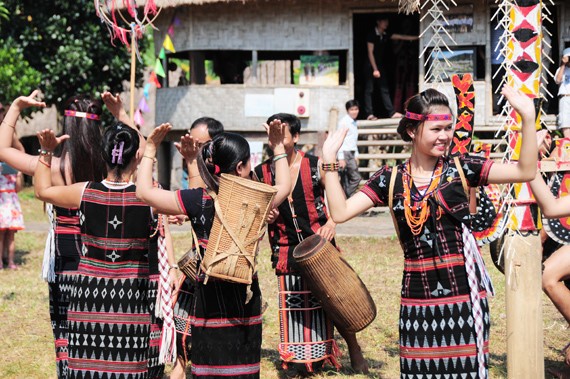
(84, 143)
(221, 156)
(422, 104)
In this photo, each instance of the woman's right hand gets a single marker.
(24, 102)
(48, 140)
(332, 145)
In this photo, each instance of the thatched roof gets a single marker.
(177, 3)
(406, 6)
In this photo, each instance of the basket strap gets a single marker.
(246, 222)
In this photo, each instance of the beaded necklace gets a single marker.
(416, 209)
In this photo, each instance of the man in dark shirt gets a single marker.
(378, 45)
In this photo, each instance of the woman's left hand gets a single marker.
(332, 145)
(520, 102)
(174, 281)
(48, 140)
(157, 135)
(188, 147)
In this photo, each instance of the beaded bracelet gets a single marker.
(329, 166)
(44, 152)
(279, 156)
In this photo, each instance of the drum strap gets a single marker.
(391, 198)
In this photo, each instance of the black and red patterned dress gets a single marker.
(226, 330)
(67, 246)
(109, 318)
(444, 314)
(306, 333)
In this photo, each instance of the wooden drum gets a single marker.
(332, 280)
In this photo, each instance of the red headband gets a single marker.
(429, 117)
(89, 116)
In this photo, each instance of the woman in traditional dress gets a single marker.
(226, 324)
(79, 159)
(109, 319)
(444, 314)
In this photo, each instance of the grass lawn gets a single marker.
(26, 343)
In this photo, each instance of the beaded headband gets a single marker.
(429, 117)
(89, 116)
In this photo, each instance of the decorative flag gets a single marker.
(167, 44)
(146, 90)
(138, 118)
(154, 80)
(162, 54)
(158, 69)
(143, 106)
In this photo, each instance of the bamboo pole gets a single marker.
(523, 271)
(133, 67)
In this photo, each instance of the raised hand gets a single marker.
(276, 133)
(332, 145)
(519, 101)
(48, 140)
(24, 102)
(188, 147)
(114, 103)
(157, 135)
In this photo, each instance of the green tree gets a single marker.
(67, 43)
(16, 75)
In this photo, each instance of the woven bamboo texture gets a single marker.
(241, 210)
(332, 280)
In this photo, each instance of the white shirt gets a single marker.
(564, 86)
(349, 143)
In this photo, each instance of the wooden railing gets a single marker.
(382, 144)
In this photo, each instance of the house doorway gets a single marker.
(403, 68)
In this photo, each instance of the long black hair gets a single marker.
(120, 145)
(422, 103)
(221, 156)
(84, 143)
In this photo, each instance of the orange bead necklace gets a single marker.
(417, 210)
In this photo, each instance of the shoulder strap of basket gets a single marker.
(239, 244)
(391, 198)
(462, 176)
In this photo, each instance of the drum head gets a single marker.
(309, 247)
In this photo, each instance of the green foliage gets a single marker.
(4, 14)
(16, 75)
(68, 44)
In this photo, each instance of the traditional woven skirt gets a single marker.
(226, 332)
(182, 318)
(155, 369)
(67, 248)
(307, 334)
(437, 337)
(109, 321)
